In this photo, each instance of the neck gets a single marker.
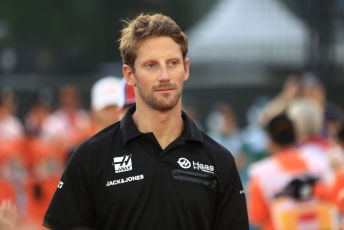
(282, 149)
(165, 125)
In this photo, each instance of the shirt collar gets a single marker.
(129, 130)
(191, 131)
(127, 126)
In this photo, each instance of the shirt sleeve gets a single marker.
(72, 204)
(231, 210)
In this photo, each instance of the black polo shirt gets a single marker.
(122, 179)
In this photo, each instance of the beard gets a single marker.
(166, 102)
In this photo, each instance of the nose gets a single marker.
(164, 74)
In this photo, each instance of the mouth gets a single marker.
(165, 89)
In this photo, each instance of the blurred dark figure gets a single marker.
(341, 136)
(36, 117)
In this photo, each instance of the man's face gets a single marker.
(107, 115)
(159, 74)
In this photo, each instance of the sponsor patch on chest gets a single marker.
(186, 164)
(123, 163)
(124, 180)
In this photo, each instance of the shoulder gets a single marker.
(221, 157)
(314, 153)
(225, 167)
(214, 148)
(262, 167)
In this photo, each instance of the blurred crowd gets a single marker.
(34, 153)
(290, 154)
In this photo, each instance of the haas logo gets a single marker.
(122, 164)
(184, 163)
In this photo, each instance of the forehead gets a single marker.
(158, 47)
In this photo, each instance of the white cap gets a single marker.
(107, 91)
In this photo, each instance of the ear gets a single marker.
(186, 68)
(128, 73)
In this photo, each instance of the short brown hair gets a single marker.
(146, 26)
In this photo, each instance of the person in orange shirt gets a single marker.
(11, 172)
(7, 190)
(66, 127)
(46, 169)
(11, 129)
(334, 191)
(340, 176)
(270, 177)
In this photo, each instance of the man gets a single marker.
(11, 129)
(66, 126)
(280, 186)
(308, 118)
(107, 98)
(154, 169)
(334, 190)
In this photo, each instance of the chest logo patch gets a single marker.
(184, 163)
(122, 164)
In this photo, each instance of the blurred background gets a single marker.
(237, 48)
(243, 54)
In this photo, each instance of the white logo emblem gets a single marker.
(122, 164)
(184, 163)
(60, 184)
